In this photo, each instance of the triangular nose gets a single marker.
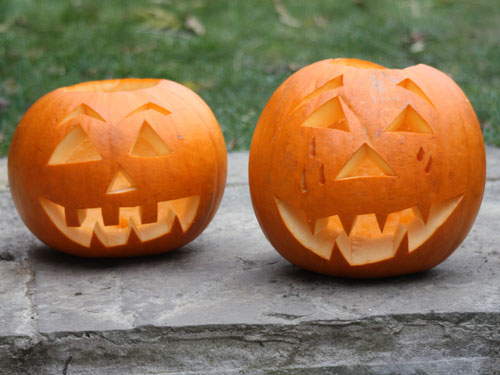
(365, 162)
(121, 183)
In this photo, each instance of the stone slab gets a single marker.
(4, 184)
(228, 303)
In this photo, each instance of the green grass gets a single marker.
(248, 48)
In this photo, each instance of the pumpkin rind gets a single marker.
(361, 171)
(118, 168)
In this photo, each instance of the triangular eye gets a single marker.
(409, 121)
(76, 147)
(330, 116)
(148, 143)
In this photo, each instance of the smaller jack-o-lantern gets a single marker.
(118, 168)
(361, 171)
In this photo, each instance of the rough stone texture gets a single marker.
(4, 185)
(229, 304)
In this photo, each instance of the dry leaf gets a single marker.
(194, 24)
(285, 17)
(10, 86)
(5, 27)
(157, 18)
(4, 104)
(359, 3)
(418, 46)
(320, 20)
(417, 42)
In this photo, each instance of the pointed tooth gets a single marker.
(149, 213)
(321, 225)
(74, 216)
(111, 237)
(401, 237)
(134, 238)
(422, 211)
(401, 245)
(111, 215)
(96, 244)
(340, 262)
(176, 229)
(381, 219)
(347, 221)
(344, 246)
(312, 225)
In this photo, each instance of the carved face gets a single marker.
(358, 170)
(118, 168)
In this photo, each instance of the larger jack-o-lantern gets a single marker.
(118, 168)
(361, 171)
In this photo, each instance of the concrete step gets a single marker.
(229, 304)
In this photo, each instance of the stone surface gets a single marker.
(4, 185)
(229, 304)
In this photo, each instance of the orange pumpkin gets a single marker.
(361, 171)
(118, 168)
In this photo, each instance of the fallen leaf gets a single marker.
(415, 36)
(319, 20)
(4, 104)
(157, 18)
(285, 17)
(59, 70)
(293, 67)
(418, 46)
(194, 24)
(417, 41)
(10, 86)
(5, 26)
(359, 3)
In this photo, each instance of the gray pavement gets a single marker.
(229, 304)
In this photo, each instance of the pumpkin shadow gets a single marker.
(296, 274)
(46, 255)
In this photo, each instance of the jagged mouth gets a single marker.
(369, 239)
(91, 221)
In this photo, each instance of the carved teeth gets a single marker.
(355, 236)
(111, 215)
(422, 211)
(74, 216)
(149, 213)
(348, 222)
(381, 220)
(113, 225)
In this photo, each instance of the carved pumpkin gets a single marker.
(361, 171)
(118, 168)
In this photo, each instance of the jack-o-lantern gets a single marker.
(361, 171)
(118, 168)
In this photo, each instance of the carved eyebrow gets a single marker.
(150, 106)
(330, 85)
(82, 109)
(409, 85)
